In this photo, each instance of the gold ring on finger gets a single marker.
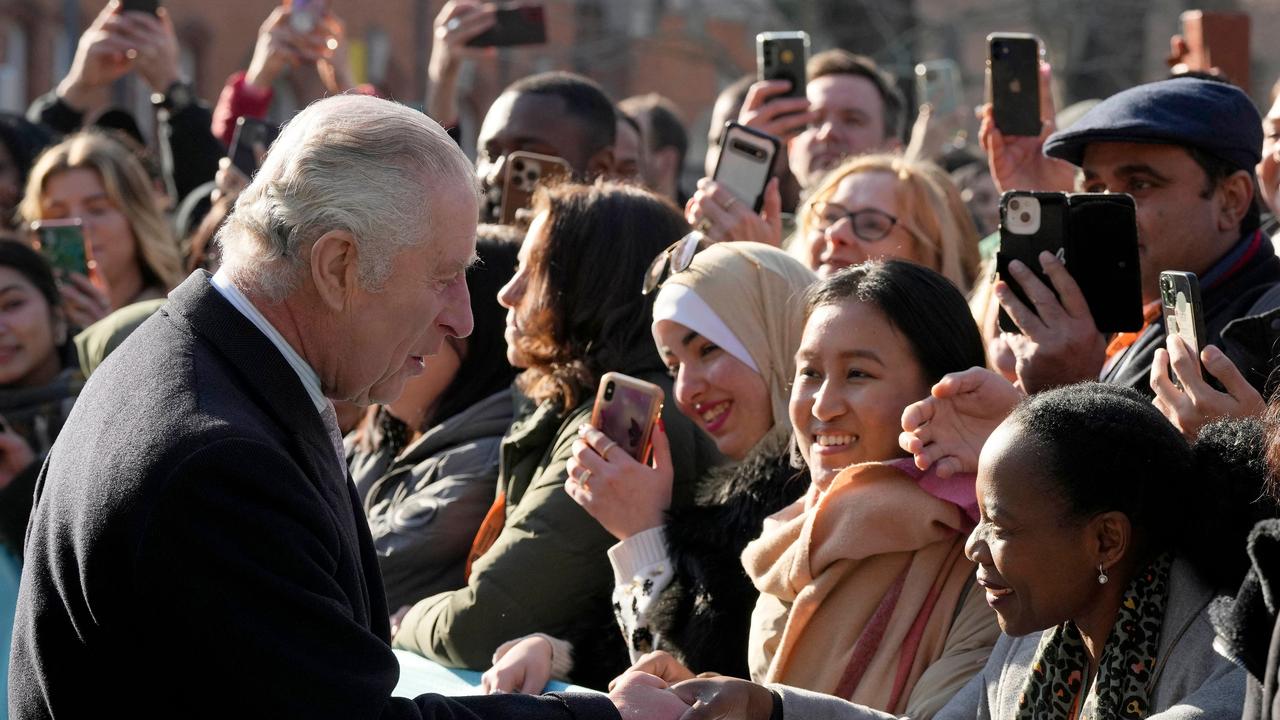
(584, 479)
(610, 446)
(729, 205)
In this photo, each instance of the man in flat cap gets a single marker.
(1185, 149)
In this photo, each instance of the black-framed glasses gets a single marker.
(868, 224)
(676, 258)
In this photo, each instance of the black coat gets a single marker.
(1239, 317)
(197, 549)
(704, 615)
(1248, 625)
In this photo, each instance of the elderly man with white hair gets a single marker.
(196, 548)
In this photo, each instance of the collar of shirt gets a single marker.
(310, 380)
(1237, 257)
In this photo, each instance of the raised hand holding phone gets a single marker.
(1192, 402)
(1018, 162)
(623, 494)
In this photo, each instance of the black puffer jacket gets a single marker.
(704, 615)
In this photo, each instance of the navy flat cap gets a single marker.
(1212, 116)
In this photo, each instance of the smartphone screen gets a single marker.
(61, 242)
(514, 24)
(746, 158)
(782, 56)
(626, 410)
(1013, 65)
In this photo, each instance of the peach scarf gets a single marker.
(860, 583)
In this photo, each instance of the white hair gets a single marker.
(354, 163)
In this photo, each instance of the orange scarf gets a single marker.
(859, 586)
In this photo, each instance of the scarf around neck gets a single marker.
(859, 584)
(1122, 689)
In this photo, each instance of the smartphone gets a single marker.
(251, 139)
(626, 410)
(1095, 235)
(146, 6)
(1030, 223)
(1183, 311)
(304, 15)
(1217, 40)
(516, 23)
(782, 56)
(523, 172)
(1102, 257)
(1013, 82)
(61, 242)
(938, 84)
(746, 159)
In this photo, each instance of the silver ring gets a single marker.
(453, 24)
(584, 479)
(605, 453)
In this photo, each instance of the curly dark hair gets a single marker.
(589, 315)
(1107, 448)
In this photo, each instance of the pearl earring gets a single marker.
(1102, 575)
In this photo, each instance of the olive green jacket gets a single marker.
(547, 571)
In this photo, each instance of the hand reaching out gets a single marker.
(947, 429)
(1019, 163)
(522, 666)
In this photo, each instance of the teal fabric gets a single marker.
(419, 676)
(10, 571)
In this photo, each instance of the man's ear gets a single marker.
(1236, 193)
(601, 164)
(335, 268)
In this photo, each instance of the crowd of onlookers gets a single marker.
(865, 497)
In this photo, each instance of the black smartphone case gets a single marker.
(1051, 237)
(783, 59)
(1102, 255)
(1015, 83)
(515, 24)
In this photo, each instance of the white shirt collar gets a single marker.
(310, 380)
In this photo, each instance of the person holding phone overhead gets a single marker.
(1186, 150)
(574, 312)
(93, 177)
(727, 323)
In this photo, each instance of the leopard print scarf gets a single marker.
(1122, 690)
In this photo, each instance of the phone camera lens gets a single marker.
(1025, 217)
(518, 165)
(1014, 205)
(608, 391)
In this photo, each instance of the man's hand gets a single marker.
(781, 117)
(725, 698)
(102, 57)
(1060, 343)
(639, 696)
(523, 666)
(726, 217)
(1019, 163)
(1196, 403)
(947, 429)
(458, 22)
(658, 663)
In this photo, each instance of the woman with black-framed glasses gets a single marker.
(877, 207)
